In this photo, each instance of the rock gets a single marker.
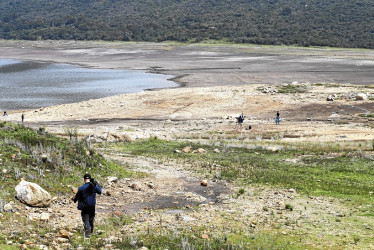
(361, 97)
(32, 194)
(216, 150)
(112, 179)
(273, 148)
(8, 207)
(177, 151)
(330, 98)
(186, 149)
(44, 158)
(45, 216)
(136, 186)
(64, 234)
(117, 213)
(4, 171)
(1, 216)
(292, 190)
(204, 183)
(143, 248)
(205, 236)
(62, 240)
(201, 151)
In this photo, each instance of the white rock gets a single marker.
(361, 97)
(45, 216)
(8, 207)
(32, 194)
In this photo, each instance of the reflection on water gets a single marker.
(27, 85)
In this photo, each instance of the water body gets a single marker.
(29, 84)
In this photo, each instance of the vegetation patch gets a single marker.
(41, 157)
(292, 88)
(317, 171)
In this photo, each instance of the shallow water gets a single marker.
(28, 85)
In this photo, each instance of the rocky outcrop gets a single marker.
(32, 194)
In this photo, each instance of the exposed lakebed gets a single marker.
(30, 84)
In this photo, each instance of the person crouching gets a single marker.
(86, 197)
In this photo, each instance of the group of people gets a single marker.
(240, 118)
(22, 116)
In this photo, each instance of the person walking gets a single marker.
(86, 197)
(22, 117)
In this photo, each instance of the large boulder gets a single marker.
(361, 97)
(32, 194)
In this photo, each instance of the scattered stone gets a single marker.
(64, 234)
(330, 98)
(44, 158)
(292, 190)
(117, 213)
(361, 97)
(205, 236)
(4, 171)
(204, 183)
(150, 185)
(45, 216)
(177, 151)
(216, 150)
(186, 149)
(136, 186)
(111, 179)
(8, 207)
(143, 248)
(1, 216)
(201, 151)
(32, 194)
(62, 240)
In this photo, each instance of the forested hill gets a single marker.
(338, 23)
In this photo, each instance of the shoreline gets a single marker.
(216, 84)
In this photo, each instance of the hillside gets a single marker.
(306, 23)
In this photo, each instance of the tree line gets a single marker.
(336, 23)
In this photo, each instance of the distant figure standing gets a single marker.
(240, 119)
(5, 114)
(22, 117)
(277, 119)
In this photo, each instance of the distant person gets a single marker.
(277, 119)
(5, 114)
(240, 119)
(86, 197)
(22, 117)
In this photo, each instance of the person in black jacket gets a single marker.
(86, 197)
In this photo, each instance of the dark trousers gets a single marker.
(88, 217)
